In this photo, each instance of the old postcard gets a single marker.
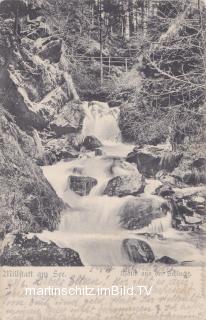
(102, 159)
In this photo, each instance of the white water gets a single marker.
(101, 121)
(91, 226)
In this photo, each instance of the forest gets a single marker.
(150, 55)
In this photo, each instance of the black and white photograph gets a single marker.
(102, 133)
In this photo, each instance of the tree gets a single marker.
(169, 99)
(175, 70)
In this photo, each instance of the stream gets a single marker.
(91, 225)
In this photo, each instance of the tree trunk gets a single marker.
(16, 23)
(144, 21)
(127, 25)
(131, 16)
(92, 15)
(100, 41)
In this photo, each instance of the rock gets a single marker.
(167, 260)
(125, 185)
(168, 179)
(81, 185)
(68, 120)
(91, 143)
(26, 251)
(149, 235)
(77, 170)
(151, 186)
(51, 50)
(188, 192)
(190, 177)
(139, 212)
(199, 163)
(198, 204)
(191, 171)
(35, 75)
(46, 159)
(28, 203)
(115, 103)
(193, 220)
(164, 191)
(55, 155)
(151, 159)
(138, 251)
(57, 149)
(40, 32)
(188, 208)
(119, 167)
(98, 152)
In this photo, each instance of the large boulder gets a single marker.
(125, 185)
(91, 143)
(81, 185)
(137, 251)
(26, 251)
(68, 120)
(151, 159)
(139, 212)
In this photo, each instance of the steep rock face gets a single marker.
(140, 211)
(34, 252)
(27, 201)
(152, 159)
(125, 185)
(34, 74)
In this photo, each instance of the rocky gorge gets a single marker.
(70, 186)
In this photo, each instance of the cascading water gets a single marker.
(91, 226)
(102, 122)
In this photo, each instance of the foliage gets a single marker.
(173, 81)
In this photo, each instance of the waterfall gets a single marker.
(91, 225)
(101, 121)
(70, 87)
(159, 225)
